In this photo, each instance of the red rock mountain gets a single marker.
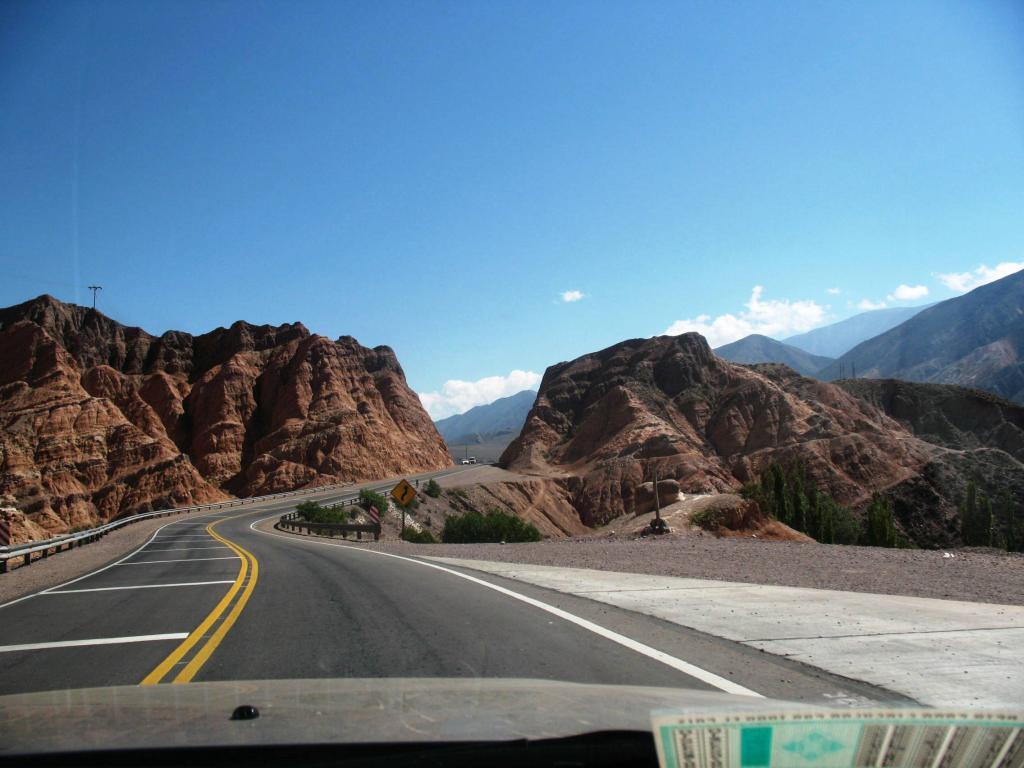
(98, 419)
(606, 422)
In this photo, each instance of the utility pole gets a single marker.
(657, 526)
(95, 288)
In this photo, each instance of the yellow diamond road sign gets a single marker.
(403, 493)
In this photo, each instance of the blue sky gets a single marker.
(435, 176)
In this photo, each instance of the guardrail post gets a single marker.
(28, 558)
(3, 565)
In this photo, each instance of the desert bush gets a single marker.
(418, 537)
(708, 519)
(371, 499)
(433, 490)
(315, 513)
(495, 526)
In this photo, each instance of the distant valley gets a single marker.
(485, 430)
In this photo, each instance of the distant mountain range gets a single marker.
(488, 423)
(974, 340)
(839, 338)
(756, 348)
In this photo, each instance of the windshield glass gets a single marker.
(425, 356)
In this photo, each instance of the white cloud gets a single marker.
(867, 305)
(908, 292)
(961, 282)
(777, 318)
(458, 396)
(833, 291)
(571, 296)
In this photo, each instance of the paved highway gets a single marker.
(223, 596)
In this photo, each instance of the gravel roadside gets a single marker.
(56, 569)
(974, 575)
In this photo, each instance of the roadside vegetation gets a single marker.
(376, 500)
(418, 537)
(788, 495)
(433, 489)
(984, 523)
(493, 527)
(313, 512)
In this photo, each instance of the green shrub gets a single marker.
(708, 519)
(371, 499)
(788, 495)
(433, 490)
(880, 528)
(314, 513)
(418, 537)
(458, 492)
(493, 527)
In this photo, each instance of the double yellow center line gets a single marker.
(241, 589)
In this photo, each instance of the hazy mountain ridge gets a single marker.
(838, 338)
(975, 340)
(756, 348)
(484, 423)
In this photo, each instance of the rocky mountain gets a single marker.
(756, 348)
(944, 414)
(606, 423)
(98, 419)
(836, 339)
(486, 423)
(975, 340)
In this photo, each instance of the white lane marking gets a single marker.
(135, 586)
(183, 560)
(175, 539)
(95, 641)
(111, 565)
(645, 650)
(184, 549)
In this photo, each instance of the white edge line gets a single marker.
(703, 675)
(186, 549)
(105, 567)
(134, 586)
(183, 560)
(96, 641)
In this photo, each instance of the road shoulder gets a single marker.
(939, 652)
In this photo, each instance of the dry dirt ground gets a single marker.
(970, 574)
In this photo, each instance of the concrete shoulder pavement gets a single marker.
(943, 653)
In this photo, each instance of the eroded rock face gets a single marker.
(945, 414)
(99, 420)
(610, 419)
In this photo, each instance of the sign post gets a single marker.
(403, 493)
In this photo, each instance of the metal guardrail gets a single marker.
(71, 540)
(291, 522)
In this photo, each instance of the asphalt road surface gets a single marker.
(221, 597)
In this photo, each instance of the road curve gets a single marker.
(215, 597)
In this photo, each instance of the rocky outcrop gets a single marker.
(948, 415)
(99, 420)
(606, 422)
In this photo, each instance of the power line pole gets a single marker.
(95, 288)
